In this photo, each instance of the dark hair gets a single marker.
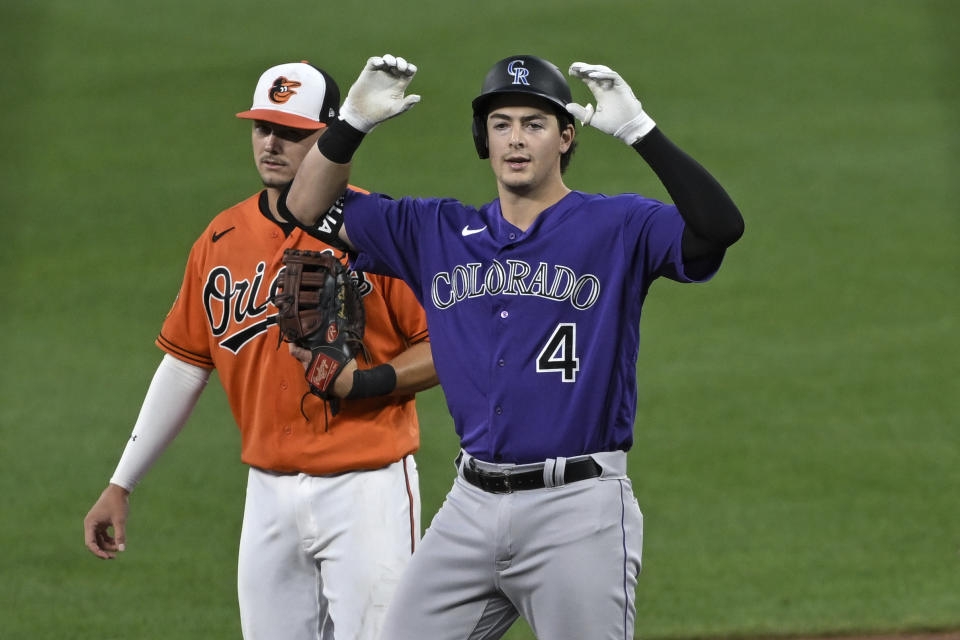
(564, 119)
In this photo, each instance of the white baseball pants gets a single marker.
(324, 554)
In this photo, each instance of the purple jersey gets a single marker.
(535, 333)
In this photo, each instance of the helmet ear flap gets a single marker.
(480, 136)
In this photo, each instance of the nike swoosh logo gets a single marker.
(467, 231)
(217, 236)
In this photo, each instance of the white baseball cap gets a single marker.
(295, 94)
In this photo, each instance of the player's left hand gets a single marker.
(618, 112)
(377, 94)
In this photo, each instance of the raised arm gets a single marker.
(376, 95)
(713, 220)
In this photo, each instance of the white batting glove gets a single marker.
(377, 94)
(618, 111)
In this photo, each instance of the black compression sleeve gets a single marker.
(704, 205)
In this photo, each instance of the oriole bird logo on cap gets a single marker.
(282, 90)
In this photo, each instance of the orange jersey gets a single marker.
(223, 318)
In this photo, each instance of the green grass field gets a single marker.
(797, 449)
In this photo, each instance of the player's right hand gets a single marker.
(377, 94)
(110, 510)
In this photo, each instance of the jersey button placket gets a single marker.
(500, 396)
(498, 409)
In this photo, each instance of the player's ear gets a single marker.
(567, 134)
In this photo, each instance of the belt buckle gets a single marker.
(507, 485)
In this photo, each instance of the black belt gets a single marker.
(508, 482)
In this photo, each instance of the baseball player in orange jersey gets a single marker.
(332, 509)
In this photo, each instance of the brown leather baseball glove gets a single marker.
(321, 310)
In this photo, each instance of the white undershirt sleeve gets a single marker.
(172, 395)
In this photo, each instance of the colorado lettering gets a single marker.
(516, 278)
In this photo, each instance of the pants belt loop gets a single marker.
(560, 469)
(549, 466)
(463, 460)
(553, 471)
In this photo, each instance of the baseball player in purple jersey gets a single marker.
(533, 303)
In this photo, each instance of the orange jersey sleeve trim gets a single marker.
(183, 354)
(422, 336)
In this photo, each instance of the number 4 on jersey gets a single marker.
(560, 353)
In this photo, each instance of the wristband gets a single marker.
(369, 383)
(340, 141)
